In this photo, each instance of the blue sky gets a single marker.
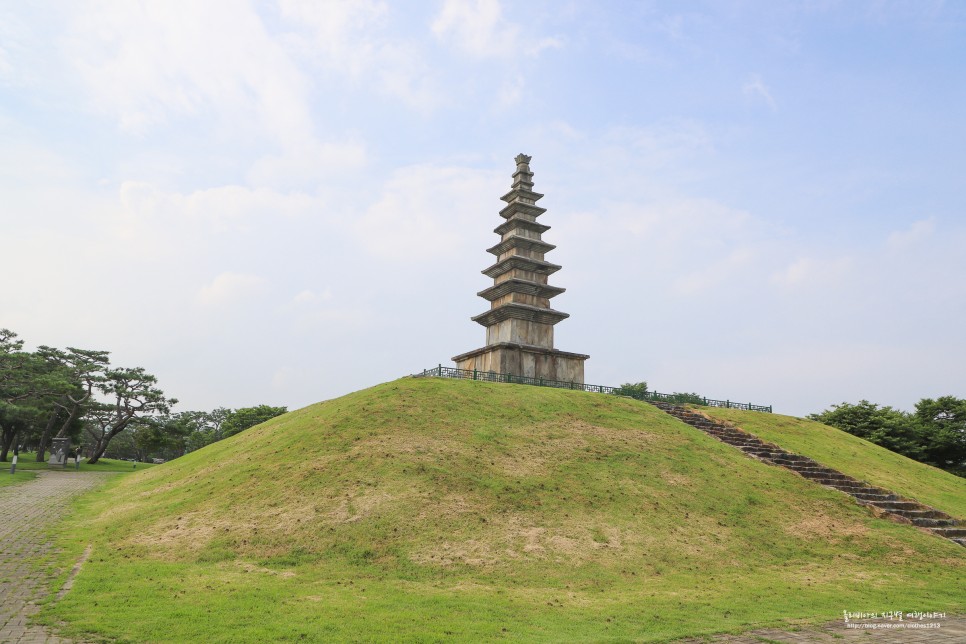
(286, 201)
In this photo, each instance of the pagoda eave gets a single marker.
(518, 241)
(521, 207)
(515, 222)
(524, 287)
(517, 193)
(517, 311)
(521, 347)
(523, 263)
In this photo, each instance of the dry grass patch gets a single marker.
(818, 525)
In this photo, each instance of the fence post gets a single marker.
(728, 404)
(474, 374)
(440, 373)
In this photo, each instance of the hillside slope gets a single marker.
(854, 456)
(424, 508)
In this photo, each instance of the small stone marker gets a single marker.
(58, 451)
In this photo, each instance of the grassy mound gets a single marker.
(854, 456)
(424, 509)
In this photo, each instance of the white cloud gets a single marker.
(404, 73)
(702, 222)
(425, 213)
(154, 216)
(228, 288)
(812, 272)
(146, 62)
(755, 88)
(341, 30)
(309, 296)
(918, 231)
(665, 141)
(478, 28)
(11, 30)
(714, 274)
(510, 92)
(349, 37)
(307, 165)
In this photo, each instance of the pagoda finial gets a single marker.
(523, 159)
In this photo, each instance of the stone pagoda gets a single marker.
(519, 324)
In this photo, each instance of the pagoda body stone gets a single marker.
(519, 324)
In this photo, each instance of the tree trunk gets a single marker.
(97, 452)
(45, 439)
(101, 446)
(74, 411)
(6, 440)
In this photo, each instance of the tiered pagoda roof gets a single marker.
(519, 324)
(520, 269)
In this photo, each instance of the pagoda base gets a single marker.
(525, 360)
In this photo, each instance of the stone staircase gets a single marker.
(905, 510)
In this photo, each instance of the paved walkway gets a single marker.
(26, 510)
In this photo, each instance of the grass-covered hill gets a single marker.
(426, 509)
(854, 456)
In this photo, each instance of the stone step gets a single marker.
(837, 484)
(920, 515)
(901, 505)
(927, 522)
(857, 489)
(753, 447)
(823, 474)
(951, 533)
(864, 496)
(799, 460)
(815, 468)
(765, 452)
(745, 442)
(786, 459)
(771, 450)
(912, 514)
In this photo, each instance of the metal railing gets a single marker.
(492, 376)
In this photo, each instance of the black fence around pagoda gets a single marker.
(492, 376)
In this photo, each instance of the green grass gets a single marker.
(425, 509)
(854, 456)
(28, 461)
(20, 477)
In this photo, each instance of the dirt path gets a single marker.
(26, 510)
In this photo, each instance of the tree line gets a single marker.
(935, 433)
(77, 394)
